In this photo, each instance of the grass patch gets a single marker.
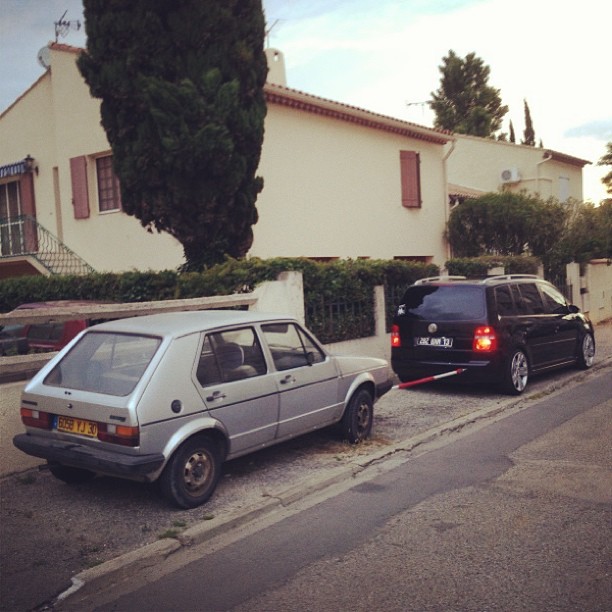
(169, 533)
(27, 479)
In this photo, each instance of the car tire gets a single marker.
(516, 373)
(357, 420)
(71, 475)
(192, 473)
(586, 352)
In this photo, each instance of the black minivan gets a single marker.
(501, 329)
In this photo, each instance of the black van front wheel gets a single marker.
(586, 352)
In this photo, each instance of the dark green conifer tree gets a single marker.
(528, 133)
(512, 134)
(465, 103)
(181, 84)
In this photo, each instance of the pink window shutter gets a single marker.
(80, 193)
(411, 179)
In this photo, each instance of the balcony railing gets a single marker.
(24, 237)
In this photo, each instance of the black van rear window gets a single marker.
(446, 303)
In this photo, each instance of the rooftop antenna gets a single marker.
(62, 27)
(421, 104)
(268, 30)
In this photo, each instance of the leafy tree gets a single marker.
(589, 235)
(606, 160)
(465, 103)
(493, 224)
(508, 223)
(181, 85)
(528, 133)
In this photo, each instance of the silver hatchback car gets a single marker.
(169, 397)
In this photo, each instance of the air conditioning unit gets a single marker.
(510, 175)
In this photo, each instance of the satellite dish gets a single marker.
(44, 57)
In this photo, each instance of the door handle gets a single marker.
(217, 395)
(289, 379)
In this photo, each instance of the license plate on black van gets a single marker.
(441, 341)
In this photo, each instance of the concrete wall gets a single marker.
(592, 290)
(11, 459)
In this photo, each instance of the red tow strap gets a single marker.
(420, 381)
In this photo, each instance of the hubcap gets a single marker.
(363, 417)
(519, 371)
(197, 472)
(588, 350)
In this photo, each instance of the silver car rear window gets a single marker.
(104, 362)
(444, 303)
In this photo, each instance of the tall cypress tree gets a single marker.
(528, 133)
(512, 134)
(181, 84)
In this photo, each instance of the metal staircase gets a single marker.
(23, 237)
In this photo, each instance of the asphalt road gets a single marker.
(512, 514)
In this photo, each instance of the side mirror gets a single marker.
(310, 358)
(573, 309)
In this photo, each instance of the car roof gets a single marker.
(447, 281)
(177, 324)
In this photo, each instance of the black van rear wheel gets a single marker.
(516, 373)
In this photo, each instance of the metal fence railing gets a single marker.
(560, 281)
(340, 320)
(24, 236)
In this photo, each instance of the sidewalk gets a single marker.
(54, 535)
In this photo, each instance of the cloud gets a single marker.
(601, 129)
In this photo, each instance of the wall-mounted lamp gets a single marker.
(29, 164)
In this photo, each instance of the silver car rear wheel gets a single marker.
(191, 475)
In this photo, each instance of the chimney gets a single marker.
(276, 67)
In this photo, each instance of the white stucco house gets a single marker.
(481, 165)
(339, 181)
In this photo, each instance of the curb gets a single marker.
(99, 579)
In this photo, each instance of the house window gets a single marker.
(11, 223)
(109, 193)
(410, 179)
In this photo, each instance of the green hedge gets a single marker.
(338, 295)
(348, 279)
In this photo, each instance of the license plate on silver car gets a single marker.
(430, 341)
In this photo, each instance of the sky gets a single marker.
(384, 56)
